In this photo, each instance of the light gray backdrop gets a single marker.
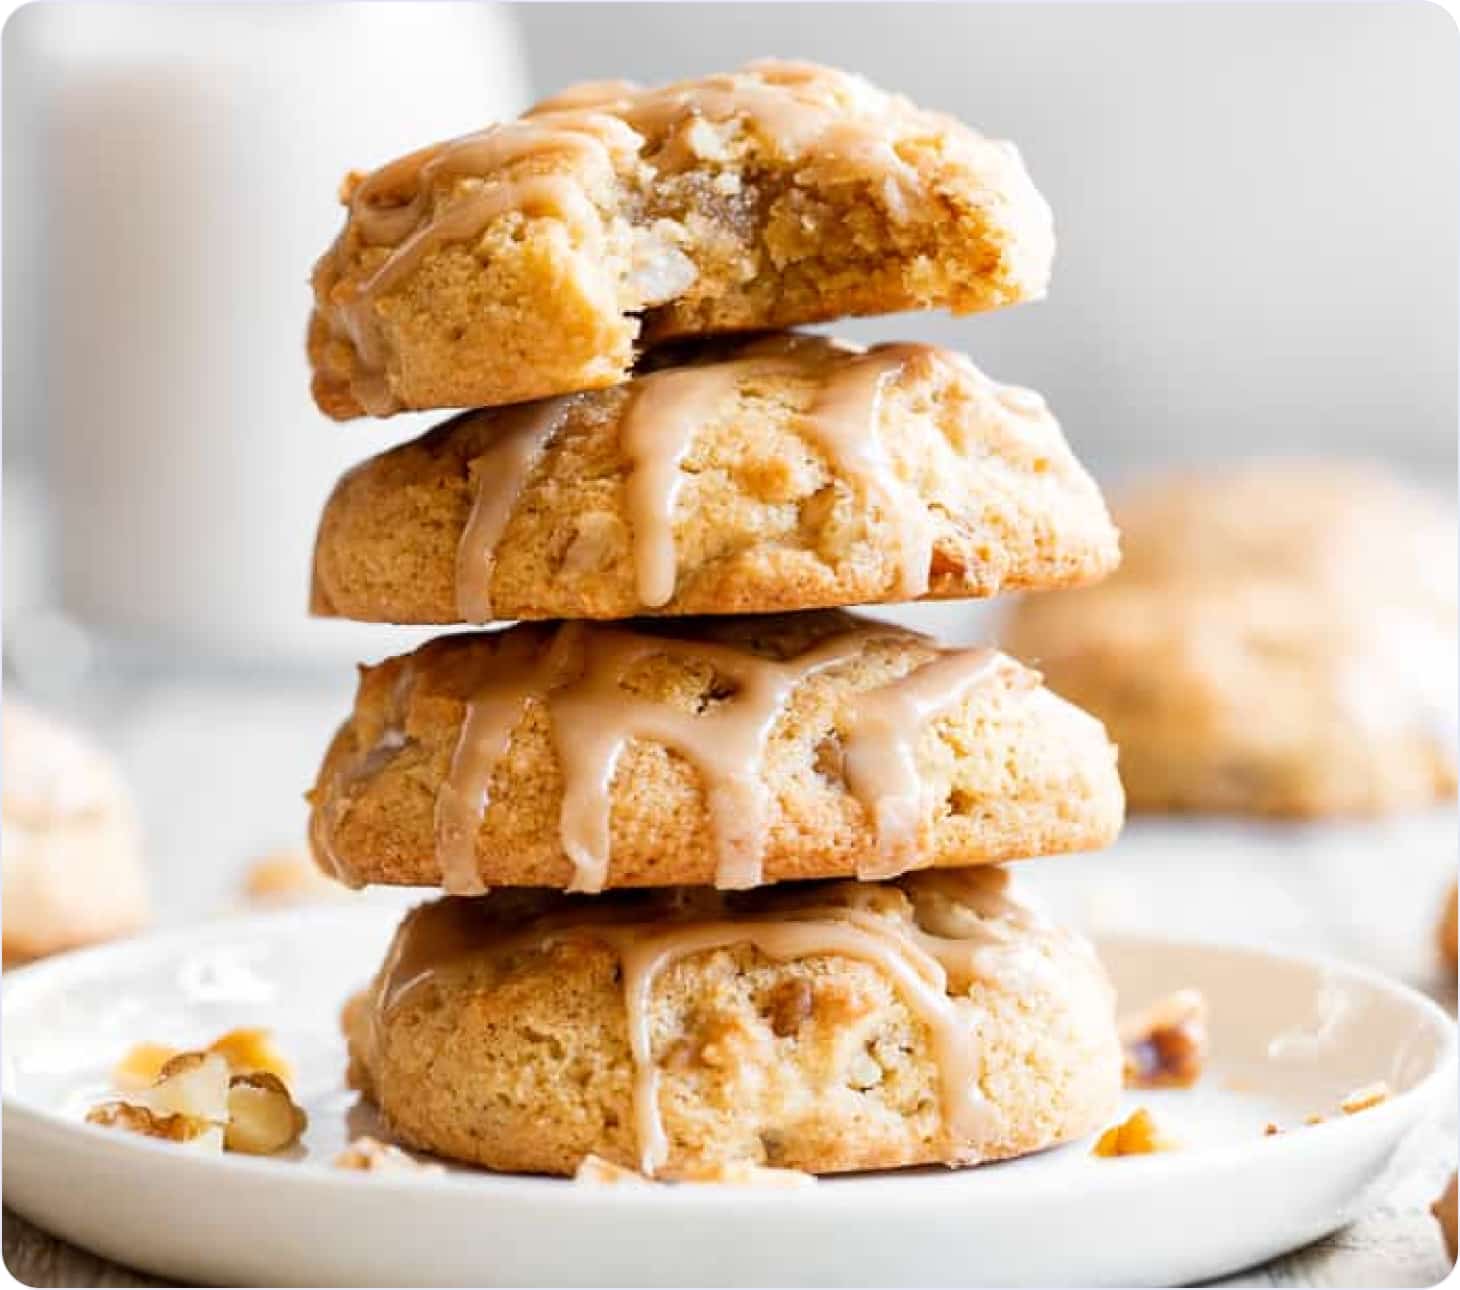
(1256, 203)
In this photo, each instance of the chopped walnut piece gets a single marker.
(1361, 1099)
(1166, 1044)
(288, 877)
(142, 1065)
(190, 1084)
(1137, 1136)
(169, 1128)
(1444, 1211)
(262, 1118)
(369, 1155)
(246, 1049)
(251, 1049)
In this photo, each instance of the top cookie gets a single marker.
(532, 258)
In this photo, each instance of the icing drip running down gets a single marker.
(881, 758)
(596, 135)
(933, 936)
(667, 409)
(578, 680)
(497, 477)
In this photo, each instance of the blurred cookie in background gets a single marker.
(1447, 934)
(70, 854)
(1280, 640)
(287, 877)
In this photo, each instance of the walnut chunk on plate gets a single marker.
(1166, 1043)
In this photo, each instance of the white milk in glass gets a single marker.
(176, 181)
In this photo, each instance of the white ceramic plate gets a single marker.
(1230, 1199)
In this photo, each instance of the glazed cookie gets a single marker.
(789, 472)
(70, 859)
(728, 751)
(532, 258)
(821, 1027)
(1276, 643)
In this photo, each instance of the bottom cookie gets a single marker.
(823, 1026)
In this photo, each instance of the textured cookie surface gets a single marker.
(1279, 640)
(532, 258)
(822, 1027)
(790, 472)
(700, 751)
(70, 856)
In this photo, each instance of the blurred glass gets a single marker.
(170, 174)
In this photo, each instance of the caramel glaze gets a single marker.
(666, 409)
(933, 935)
(577, 679)
(592, 133)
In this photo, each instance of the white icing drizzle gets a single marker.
(881, 751)
(664, 413)
(520, 436)
(578, 680)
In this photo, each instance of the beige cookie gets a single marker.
(729, 751)
(70, 859)
(532, 258)
(791, 472)
(822, 1027)
(1277, 642)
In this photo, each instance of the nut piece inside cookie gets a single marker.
(1166, 1044)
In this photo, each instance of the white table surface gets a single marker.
(219, 768)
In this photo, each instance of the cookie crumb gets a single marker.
(1166, 1044)
(372, 1156)
(1361, 1099)
(1270, 1130)
(1138, 1135)
(741, 1174)
(287, 877)
(1313, 1119)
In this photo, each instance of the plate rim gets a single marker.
(1393, 1116)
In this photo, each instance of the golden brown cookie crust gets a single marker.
(1278, 641)
(517, 1055)
(1007, 771)
(536, 256)
(765, 516)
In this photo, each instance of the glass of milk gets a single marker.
(171, 177)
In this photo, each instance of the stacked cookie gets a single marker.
(711, 845)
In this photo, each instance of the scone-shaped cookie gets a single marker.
(531, 259)
(1278, 641)
(790, 472)
(70, 858)
(728, 751)
(822, 1027)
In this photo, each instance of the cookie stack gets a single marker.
(711, 845)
